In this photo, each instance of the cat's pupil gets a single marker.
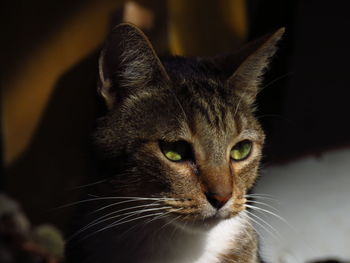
(176, 151)
(241, 150)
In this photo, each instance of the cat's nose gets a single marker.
(218, 200)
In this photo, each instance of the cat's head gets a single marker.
(183, 130)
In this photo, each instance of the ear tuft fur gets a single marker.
(246, 79)
(127, 63)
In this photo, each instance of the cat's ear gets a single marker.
(251, 63)
(127, 63)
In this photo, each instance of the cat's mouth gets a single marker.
(215, 219)
(192, 212)
(227, 213)
(199, 224)
(202, 218)
(230, 210)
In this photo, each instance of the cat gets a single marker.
(180, 149)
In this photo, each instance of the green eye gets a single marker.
(176, 151)
(173, 156)
(241, 150)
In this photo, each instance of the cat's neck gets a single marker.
(173, 244)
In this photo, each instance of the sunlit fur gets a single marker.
(160, 211)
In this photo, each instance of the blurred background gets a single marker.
(49, 52)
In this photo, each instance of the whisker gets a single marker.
(265, 195)
(247, 221)
(121, 210)
(126, 215)
(269, 212)
(149, 221)
(266, 223)
(165, 215)
(262, 198)
(86, 185)
(277, 79)
(120, 223)
(94, 196)
(169, 222)
(111, 198)
(261, 203)
(118, 203)
(262, 226)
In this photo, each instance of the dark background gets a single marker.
(306, 111)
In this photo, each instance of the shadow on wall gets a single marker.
(58, 157)
(49, 99)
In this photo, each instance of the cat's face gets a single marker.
(182, 131)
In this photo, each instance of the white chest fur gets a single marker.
(220, 239)
(207, 247)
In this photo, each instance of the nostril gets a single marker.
(217, 201)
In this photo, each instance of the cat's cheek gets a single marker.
(183, 176)
(246, 176)
(246, 172)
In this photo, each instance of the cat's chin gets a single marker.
(201, 225)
